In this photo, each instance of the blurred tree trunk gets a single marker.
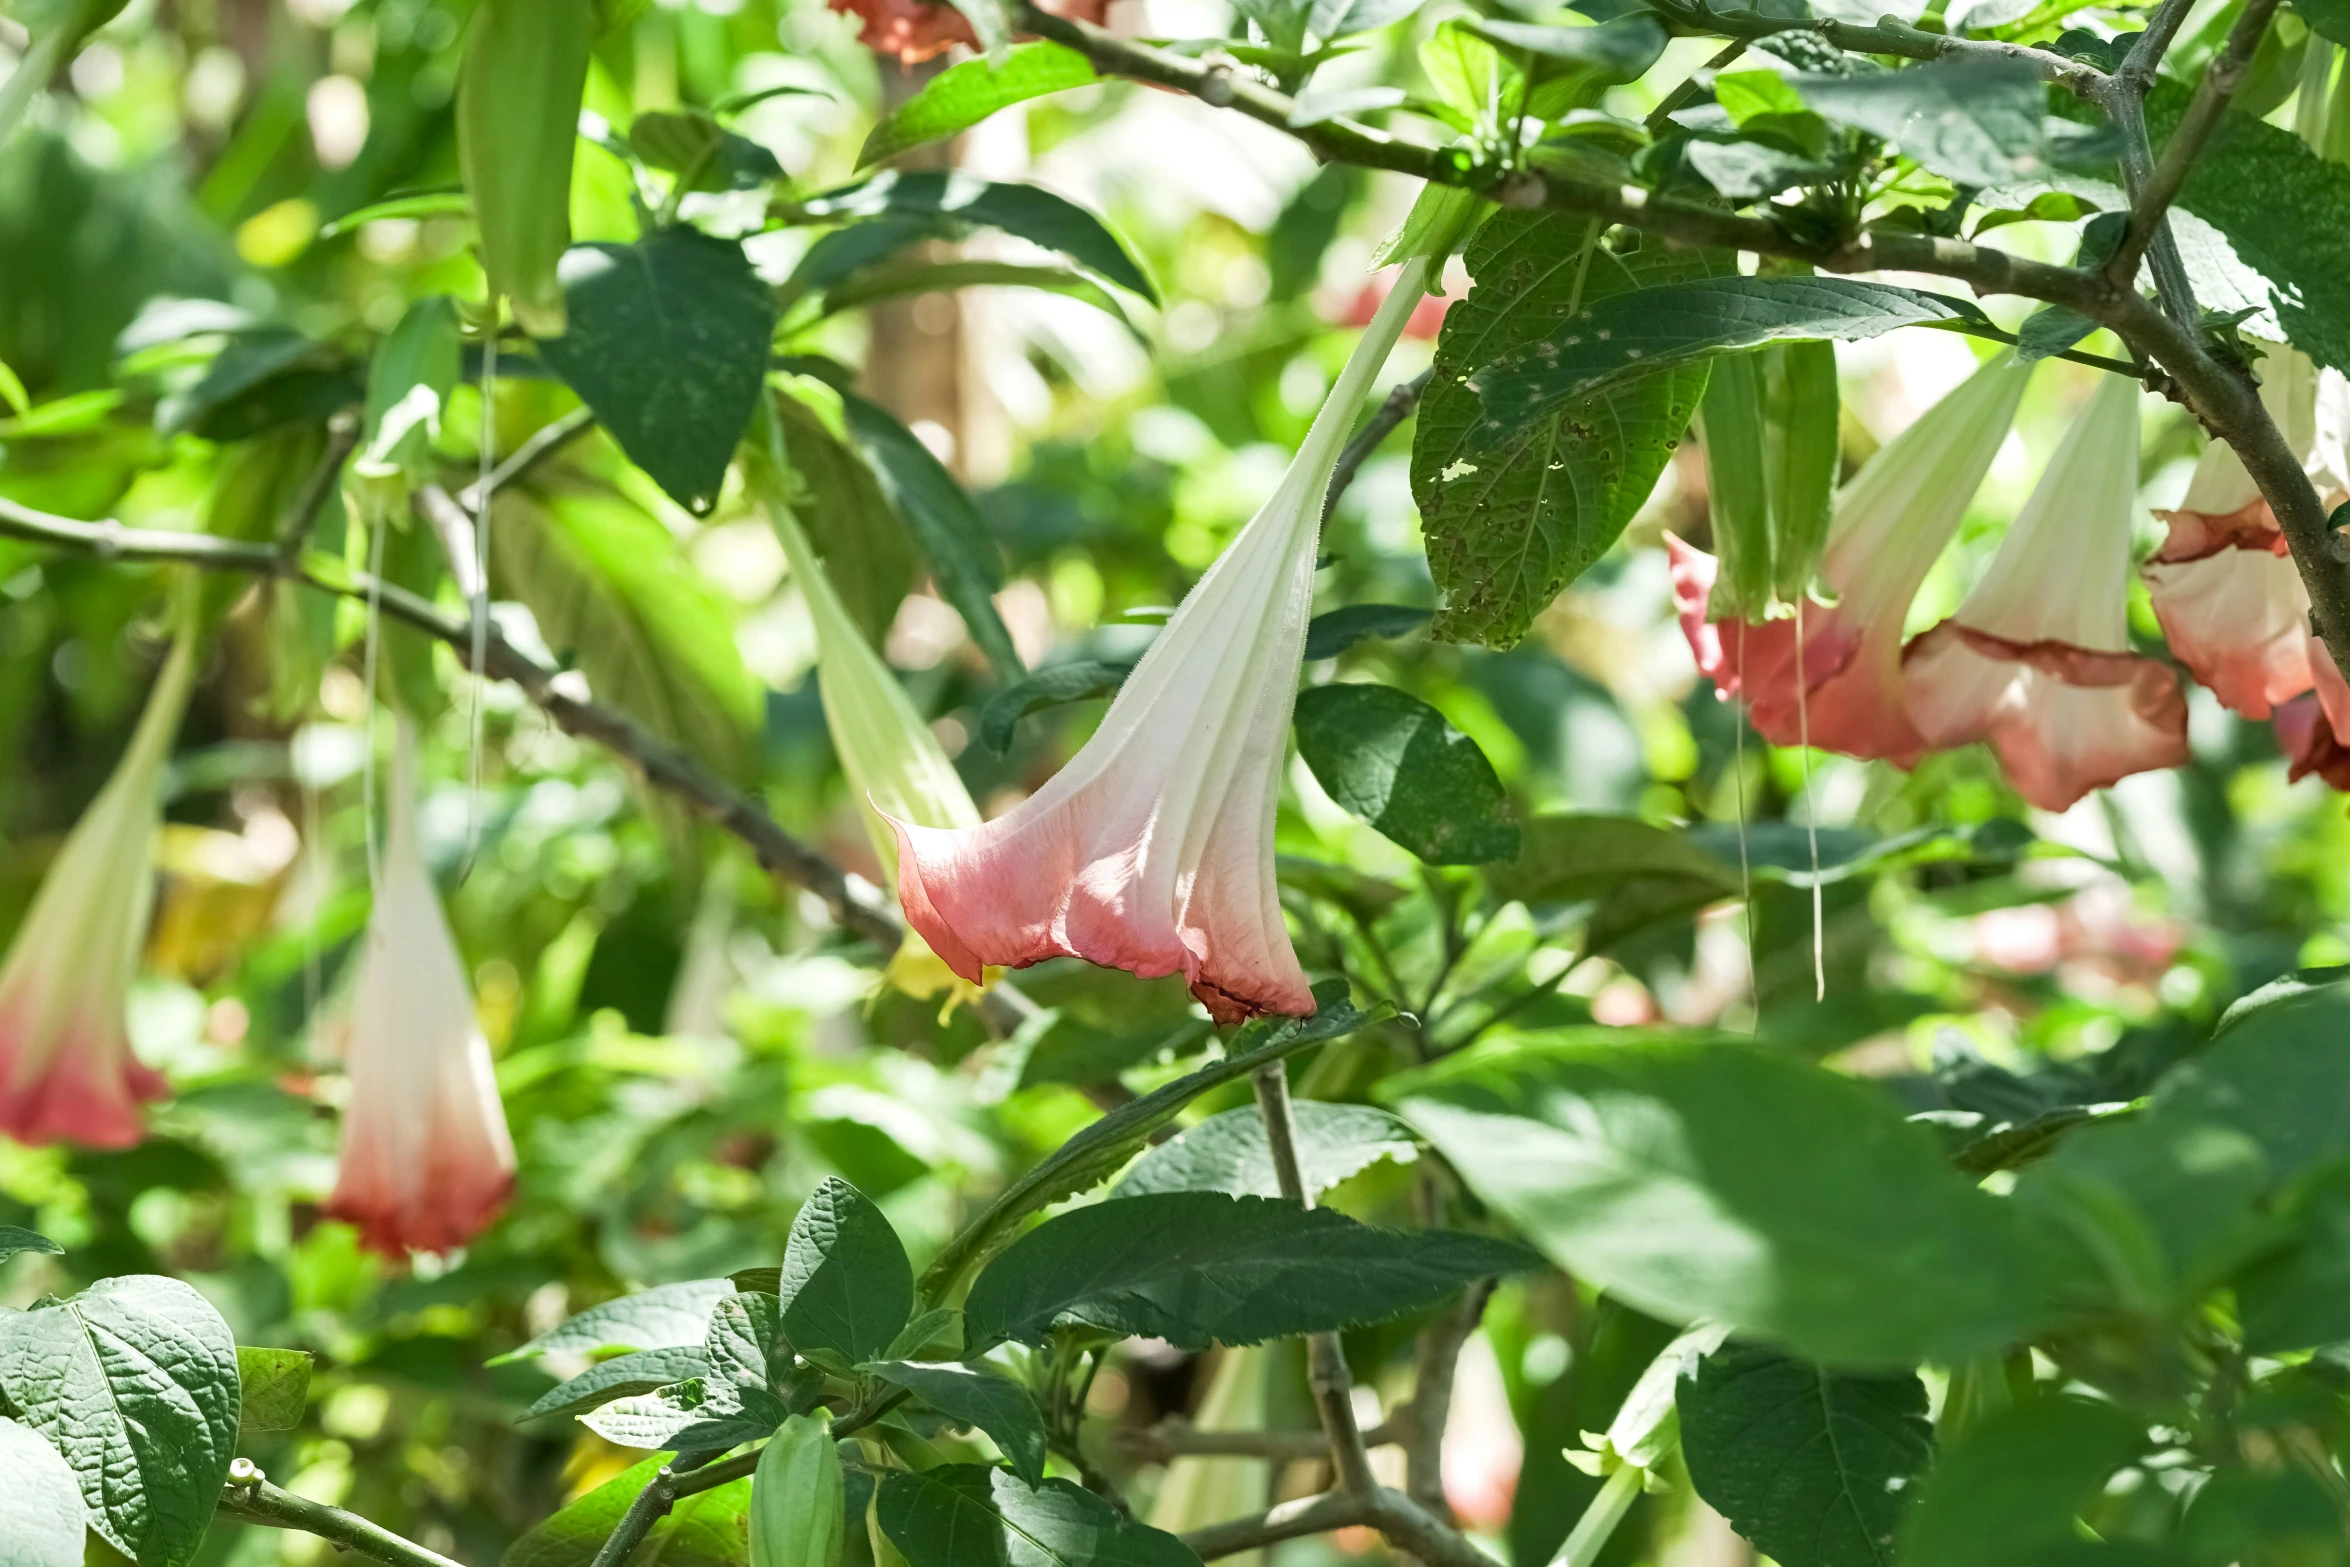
(915, 366)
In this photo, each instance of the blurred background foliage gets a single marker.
(685, 1050)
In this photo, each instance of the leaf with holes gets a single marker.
(1392, 760)
(1509, 525)
(135, 1382)
(667, 342)
(1813, 1466)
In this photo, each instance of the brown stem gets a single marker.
(1406, 1525)
(1176, 1437)
(1437, 1358)
(1392, 410)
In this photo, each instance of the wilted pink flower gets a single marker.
(426, 1160)
(1838, 685)
(2036, 660)
(2229, 598)
(66, 1068)
(2309, 742)
(918, 30)
(1152, 851)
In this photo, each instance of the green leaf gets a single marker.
(1614, 52)
(1633, 873)
(41, 1512)
(1666, 1173)
(798, 1513)
(746, 1346)
(14, 1239)
(1069, 1051)
(973, 1515)
(12, 391)
(692, 144)
(1097, 1151)
(1392, 760)
(1334, 631)
(938, 512)
(866, 553)
(1974, 122)
(2008, 1492)
(134, 1381)
(1027, 211)
(613, 593)
(429, 204)
(671, 1316)
(960, 96)
(1773, 459)
(1629, 335)
(415, 368)
(694, 1415)
(1196, 1268)
(668, 344)
(624, 1376)
(1228, 1153)
(980, 1399)
(1813, 1466)
(1056, 685)
(1509, 525)
(846, 1286)
(275, 1387)
(897, 279)
(709, 1529)
(2299, 1298)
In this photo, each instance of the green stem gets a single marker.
(1599, 1520)
(258, 1502)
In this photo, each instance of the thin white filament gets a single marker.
(1811, 813)
(376, 529)
(474, 741)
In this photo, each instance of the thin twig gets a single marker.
(1325, 1357)
(254, 1500)
(1887, 36)
(1689, 86)
(1392, 410)
(856, 905)
(1437, 1357)
(342, 439)
(1176, 1437)
(2150, 203)
(544, 442)
(1406, 1525)
(647, 1508)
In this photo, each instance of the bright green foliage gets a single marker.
(275, 1388)
(1392, 759)
(796, 1502)
(709, 1529)
(960, 96)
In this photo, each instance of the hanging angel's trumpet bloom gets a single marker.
(893, 763)
(426, 1160)
(2037, 659)
(1152, 850)
(1831, 676)
(2228, 595)
(66, 1068)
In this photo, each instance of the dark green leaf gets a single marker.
(2050, 331)
(134, 1381)
(1665, 1173)
(231, 399)
(672, 1316)
(694, 146)
(1508, 526)
(1634, 874)
(2299, 1298)
(1612, 53)
(1098, 1150)
(846, 1286)
(2008, 1491)
(1196, 1268)
(746, 1346)
(937, 510)
(980, 1399)
(1974, 122)
(1228, 1153)
(866, 553)
(1027, 211)
(1334, 631)
(972, 1515)
(668, 344)
(41, 1512)
(897, 279)
(14, 1239)
(1392, 760)
(1056, 684)
(1333, 19)
(624, 1376)
(1070, 1051)
(614, 594)
(1628, 335)
(1813, 1466)
(697, 1414)
(275, 1388)
(709, 1529)
(960, 96)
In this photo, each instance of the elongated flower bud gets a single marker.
(1152, 851)
(797, 1511)
(66, 1068)
(518, 100)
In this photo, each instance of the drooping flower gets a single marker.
(2306, 735)
(918, 30)
(1831, 675)
(2037, 659)
(426, 1158)
(894, 764)
(2228, 595)
(67, 1072)
(1152, 850)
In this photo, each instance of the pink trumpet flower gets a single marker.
(426, 1160)
(67, 1073)
(1831, 677)
(1152, 851)
(2228, 595)
(2036, 660)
